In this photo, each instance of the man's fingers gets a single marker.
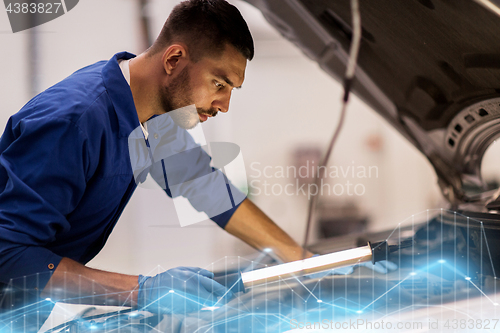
(319, 275)
(382, 267)
(212, 286)
(206, 273)
(199, 271)
(343, 270)
(389, 265)
(379, 268)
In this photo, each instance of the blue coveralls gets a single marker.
(65, 173)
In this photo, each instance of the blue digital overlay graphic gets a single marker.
(446, 282)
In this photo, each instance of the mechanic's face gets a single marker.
(207, 84)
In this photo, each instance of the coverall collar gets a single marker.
(120, 94)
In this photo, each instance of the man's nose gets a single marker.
(222, 104)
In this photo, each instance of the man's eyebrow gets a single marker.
(226, 79)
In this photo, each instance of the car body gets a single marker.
(430, 68)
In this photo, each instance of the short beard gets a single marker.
(177, 100)
(185, 117)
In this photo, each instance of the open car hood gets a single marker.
(431, 68)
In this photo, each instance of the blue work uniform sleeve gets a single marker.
(42, 178)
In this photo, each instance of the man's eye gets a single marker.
(218, 85)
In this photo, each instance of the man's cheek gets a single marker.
(202, 100)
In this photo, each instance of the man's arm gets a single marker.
(73, 282)
(255, 228)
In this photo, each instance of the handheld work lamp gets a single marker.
(371, 252)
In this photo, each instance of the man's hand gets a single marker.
(180, 290)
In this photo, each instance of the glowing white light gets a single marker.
(441, 261)
(359, 311)
(489, 5)
(307, 266)
(210, 308)
(268, 250)
(467, 278)
(48, 299)
(320, 301)
(171, 291)
(495, 304)
(413, 273)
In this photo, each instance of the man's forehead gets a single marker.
(229, 66)
(233, 62)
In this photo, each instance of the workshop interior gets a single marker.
(412, 167)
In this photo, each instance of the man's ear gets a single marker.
(173, 56)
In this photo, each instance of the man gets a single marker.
(66, 175)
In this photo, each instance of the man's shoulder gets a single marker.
(77, 92)
(80, 93)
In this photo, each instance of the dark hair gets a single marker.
(205, 26)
